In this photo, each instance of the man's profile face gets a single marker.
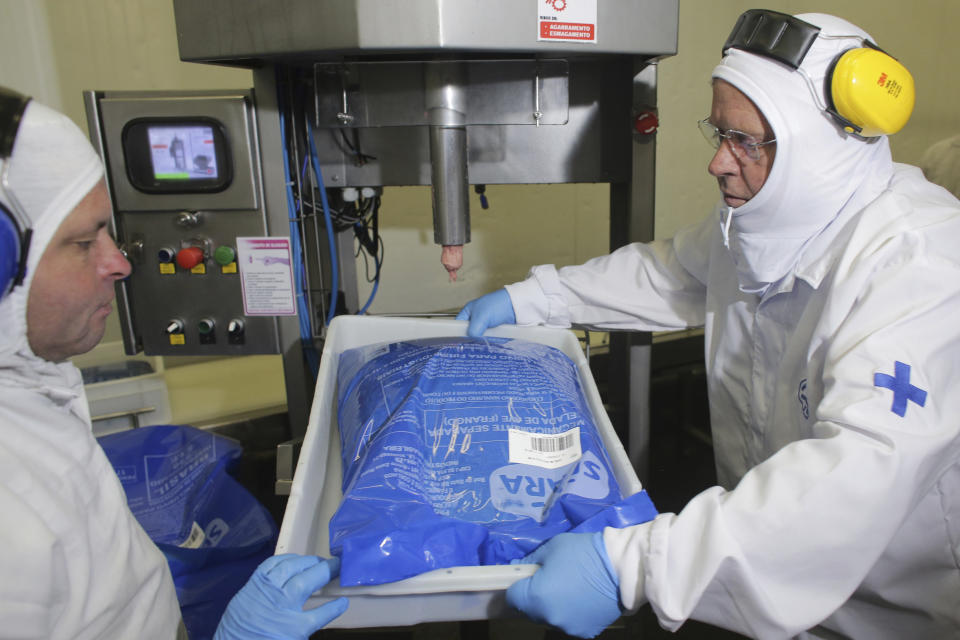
(739, 178)
(72, 290)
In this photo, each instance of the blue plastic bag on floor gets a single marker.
(212, 531)
(461, 452)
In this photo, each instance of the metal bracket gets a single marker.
(395, 94)
(133, 414)
(287, 454)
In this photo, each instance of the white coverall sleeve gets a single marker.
(802, 530)
(642, 286)
(34, 588)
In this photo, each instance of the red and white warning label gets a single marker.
(567, 20)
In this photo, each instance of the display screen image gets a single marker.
(182, 152)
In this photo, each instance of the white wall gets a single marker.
(26, 51)
(124, 44)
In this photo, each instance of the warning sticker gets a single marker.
(549, 451)
(567, 20)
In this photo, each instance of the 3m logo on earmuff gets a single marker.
(869, 93)
(893, 87)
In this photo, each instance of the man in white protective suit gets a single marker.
(827, 281)
(75, 563)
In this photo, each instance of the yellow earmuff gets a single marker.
(872, 91)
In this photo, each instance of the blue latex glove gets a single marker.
(575, 589)
(270, 605)
(488, 311)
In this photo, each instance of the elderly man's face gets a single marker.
(71, 292)
(739, 177)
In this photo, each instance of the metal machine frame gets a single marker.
(449, 93)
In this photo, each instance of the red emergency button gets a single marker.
(646, 123)
(189, 257)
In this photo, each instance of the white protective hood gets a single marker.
(818, 171)
(86, 568)
(52, 168)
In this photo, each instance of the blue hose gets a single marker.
(373, 292)
(303, 312)
(335, 279)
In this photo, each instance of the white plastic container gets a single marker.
(122, 403)
(458, 593)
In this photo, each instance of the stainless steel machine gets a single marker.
(351, 96)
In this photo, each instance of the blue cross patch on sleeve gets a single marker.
(903, 391)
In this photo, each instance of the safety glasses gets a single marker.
(743, 145)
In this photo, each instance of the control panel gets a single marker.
(184, 174)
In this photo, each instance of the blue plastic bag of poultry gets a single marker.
(212, 531)
(463, 452)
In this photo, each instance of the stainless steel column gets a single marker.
(446, 110)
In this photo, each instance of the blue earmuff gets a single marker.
(14, 231)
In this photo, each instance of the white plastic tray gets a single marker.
(458, 593)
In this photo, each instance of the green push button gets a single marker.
(224, 255)
(205, 326)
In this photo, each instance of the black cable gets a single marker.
(369, 241)
(352, 147)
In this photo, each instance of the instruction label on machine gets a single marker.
(266, 276)
(567, 20)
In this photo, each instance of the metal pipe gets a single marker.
(446, 112)
(448, 174)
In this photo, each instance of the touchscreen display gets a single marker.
(186, 152)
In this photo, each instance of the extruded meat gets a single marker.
(452, 259)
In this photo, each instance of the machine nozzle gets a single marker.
(446, 108)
